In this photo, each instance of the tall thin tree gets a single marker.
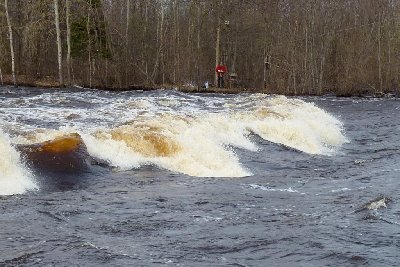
(89, 43)
(59, 49)
(1, 77)
(217, 51)
(10, 35)
(68, 14)
(128, 12)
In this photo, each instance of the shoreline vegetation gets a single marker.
(288, 47)
(50, 82)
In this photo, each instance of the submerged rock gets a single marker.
(66, 154)
(72, 116)
(380, 202)
(377, 203)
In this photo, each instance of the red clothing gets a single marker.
(221, 69)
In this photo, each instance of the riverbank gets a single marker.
(50, 82)
(30, 81)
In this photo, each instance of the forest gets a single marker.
(293, 47)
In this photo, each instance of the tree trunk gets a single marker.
(217, 52)
(89, 44)
(198, 45)
(305, 61)
(160, 49)
(10, 33)
(128, 11)
(178, 64)
(389, 84)
(176, 42)
(265, 68)
(293, 72)
(379, 53)
(59, 50)
(68, 6)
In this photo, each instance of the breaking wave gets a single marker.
(14, 176)
(203, 144)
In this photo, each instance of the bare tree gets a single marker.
(59, 49)
(313, 47)
(89, 43)
(10, 36)
(1, 77)
(68, 23)
(217, 51)
(128, 13)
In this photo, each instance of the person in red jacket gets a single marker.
(221, 70)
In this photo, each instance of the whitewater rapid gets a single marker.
(15, 178)
(189, 134)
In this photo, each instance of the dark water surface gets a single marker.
(295, 209)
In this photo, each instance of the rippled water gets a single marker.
(200, 180)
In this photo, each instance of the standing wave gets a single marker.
(200, 142)
(201, 145)
(297, 124)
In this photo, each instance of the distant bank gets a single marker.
(50, 82)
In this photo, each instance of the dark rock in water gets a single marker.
(371, 217)
(58, 164)
(377, 203)
(66, 154)
(72, 116)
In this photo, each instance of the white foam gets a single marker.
(299, 125)
(14, 177)
(271, 189)
(197, 153)
(200, 132)
(116, 153)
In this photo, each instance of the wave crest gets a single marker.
(201, 142)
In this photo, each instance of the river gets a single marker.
(177, 179)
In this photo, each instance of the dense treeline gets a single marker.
(284, 46)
